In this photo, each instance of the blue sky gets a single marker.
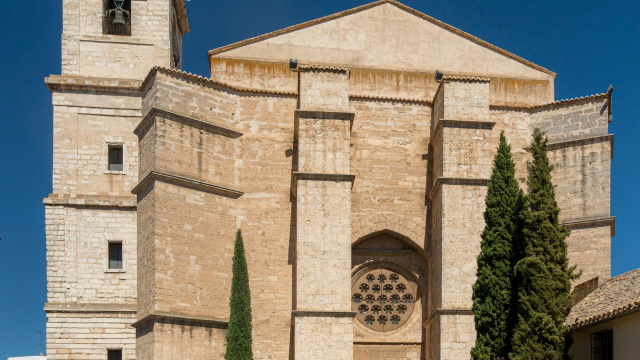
(590, 44)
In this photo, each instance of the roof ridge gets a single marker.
(360, 8)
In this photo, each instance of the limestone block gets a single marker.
(324, 90)
(323, 249)
(323, 338)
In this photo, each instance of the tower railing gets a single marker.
(111, 27)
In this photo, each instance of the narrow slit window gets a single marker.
(114, 354)
(115, 158)
(115, 257)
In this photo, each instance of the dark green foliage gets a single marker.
(543, 276)
(493, 295)
(239, 339)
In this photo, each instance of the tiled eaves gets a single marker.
(608, 315)
(566, 101)
(323, 68)
(619, 296)
(372, 5)
(462, 78)
(209, 81)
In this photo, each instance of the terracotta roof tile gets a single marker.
(617, 296)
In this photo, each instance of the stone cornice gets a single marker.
(93, 84)
(318, 177)
(181, 319)
(186, 120)
(100, 201)
(580, 142)
(183, 18)
(364, 97)
(592, 222)
(186, 182)
(52, 307)
(460, 124)
(319, 313)
(323, 176)
(456, 181)
(440, 312)
(324, 114)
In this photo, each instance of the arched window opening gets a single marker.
(116, 18)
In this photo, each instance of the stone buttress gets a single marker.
(322, 317)
(461, 148)
(186, 218)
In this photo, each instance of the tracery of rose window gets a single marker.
(383, 299)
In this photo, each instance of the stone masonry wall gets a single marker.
(324, 90)
(89, 335)
(86, 51)
(77, 255)
(318, 136)
(577, 119)
(590, 249)
(387, 352)
(582, 176)
(466, 100)
(323, 275)
(323, 338)
(466, 153)
(84, 127)
(389, 143)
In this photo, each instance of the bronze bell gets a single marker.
(119, 17)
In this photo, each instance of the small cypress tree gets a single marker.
(492, 292)
(543, 275)
(239, 341)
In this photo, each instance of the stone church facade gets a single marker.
(358, 181)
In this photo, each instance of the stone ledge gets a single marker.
(101, 201)
(186, 120)
(314, 313)
(394, 343)
(441, 312)
(579, 142)
(180, 319)
(90, 308)
(456, 181)
(592, 222)
(186, 182)
(92, 84)
(318, 177)
(324, 114)
(460, 124)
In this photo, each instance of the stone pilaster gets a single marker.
(461, 147)
(322, 317)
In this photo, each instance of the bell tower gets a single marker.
(108, 48)
(122, 39)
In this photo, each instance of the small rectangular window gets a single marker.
(115, 158)
(115, 256)
(602, 345)
(114, 354)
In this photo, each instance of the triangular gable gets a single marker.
(385, 34)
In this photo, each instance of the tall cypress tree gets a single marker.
(543, 275)
(239, 341)
(492, 293)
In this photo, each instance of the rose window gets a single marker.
(383, 299)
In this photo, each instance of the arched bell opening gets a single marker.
(388, 294)
(116, 18)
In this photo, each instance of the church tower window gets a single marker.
(117, 17)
